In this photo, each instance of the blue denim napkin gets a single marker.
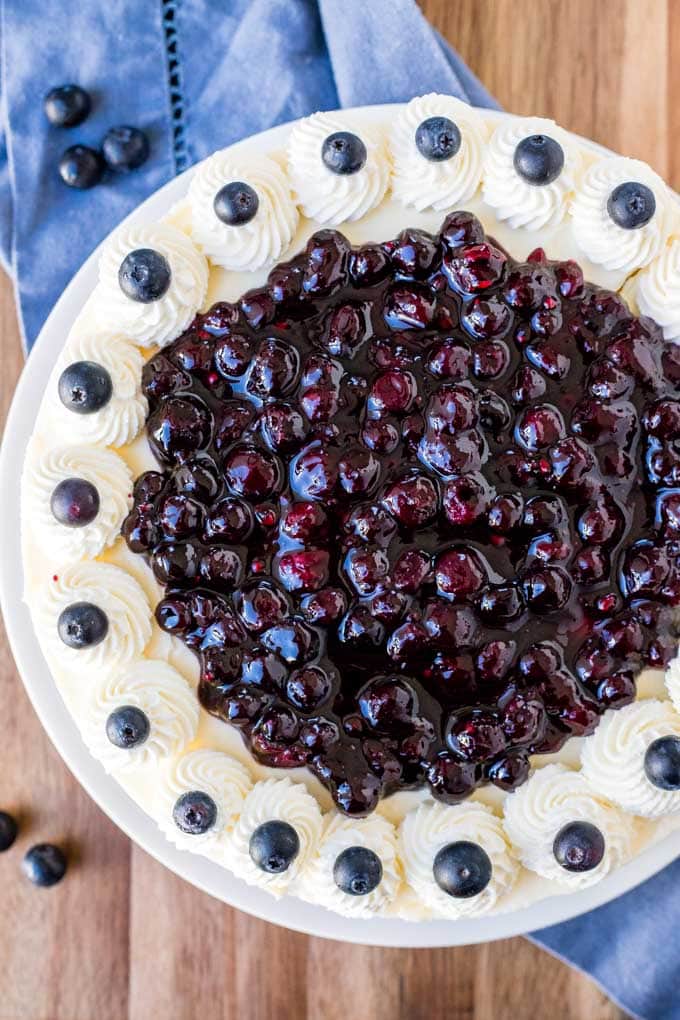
(197, 75)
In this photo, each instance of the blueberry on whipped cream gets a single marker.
(622, 214)
(579, 846)
(195, 812)
(236, 203)
(127, 727)
(437, 139)
(85, 387)
(539, 159)
(343, 152)
(274, 846)
(144, 275)
(75, 502)
(357, 871)
(662, 763)
(531, 170)
(631, 205)
(334, 175)
(82, 625)
(462, 869)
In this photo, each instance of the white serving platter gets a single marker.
(105, 791)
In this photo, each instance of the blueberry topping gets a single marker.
(382, 544)
(579, 846)
(462, 869)
(343, 153)
(44, 865)
(75, 502)
(82, 625)
(274, 846)
(195, 812)
(85, 387)
(539, 159)
(236, 203)
(631, 205)
(144, 275)
(357, 871)
(81, 167)
(437, 139)
(67, 105)
(125, 148)
(8, 831)
(662, 763)
(127, 727)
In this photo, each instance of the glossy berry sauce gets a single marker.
(418, 509)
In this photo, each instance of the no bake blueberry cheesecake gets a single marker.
(364, 464)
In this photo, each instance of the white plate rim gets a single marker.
(288, 912)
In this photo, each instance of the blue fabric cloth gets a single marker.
(197, 75)
(630, 947)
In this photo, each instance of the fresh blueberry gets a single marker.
(75, 502)
(462, 869)
(85, 387)
(631, 205)
(125, 148)
(8, 831)
(539, 159)
(44, 864)
(144, 275)
(437, 139)
(67, 105)
(274, 846)
(195, 812)
(357, 871)
(662, 763)
(127, 727)
(579, 846)
(236, 203)
(82, 625)
(81, 167)
(343, 153)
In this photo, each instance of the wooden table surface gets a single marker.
(122, 938)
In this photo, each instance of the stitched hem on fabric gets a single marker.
(170, 10)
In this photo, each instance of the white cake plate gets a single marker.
(105, 791)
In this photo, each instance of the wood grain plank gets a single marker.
(122, 938)
(63, 951)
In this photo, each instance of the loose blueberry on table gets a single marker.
(44, 864)
(8, 830)
(417, 510)
(67, 105)
(125, 148)
(81, 167)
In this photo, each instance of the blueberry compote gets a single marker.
(418, 509)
